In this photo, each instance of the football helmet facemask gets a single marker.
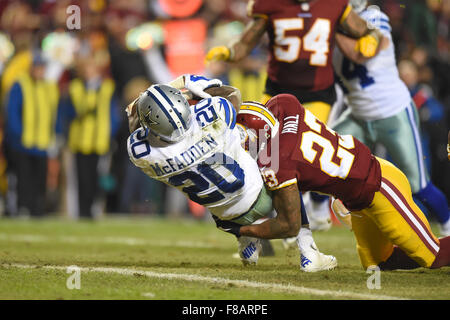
(260, 124)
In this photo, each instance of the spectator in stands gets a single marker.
(93, 109)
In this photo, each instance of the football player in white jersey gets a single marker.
(197, 149)
(381, 110)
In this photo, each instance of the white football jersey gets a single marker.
(374, 89)
(208, 165)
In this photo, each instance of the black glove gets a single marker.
(228, 226)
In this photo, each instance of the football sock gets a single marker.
(443, 256)
(435, 201)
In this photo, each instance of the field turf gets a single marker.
(166, 259)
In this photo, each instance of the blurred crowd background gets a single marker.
(69, 68)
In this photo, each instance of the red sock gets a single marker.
(443, 256)
(398, 260)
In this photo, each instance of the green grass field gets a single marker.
(160, 259)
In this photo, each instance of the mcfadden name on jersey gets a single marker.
(209, 165)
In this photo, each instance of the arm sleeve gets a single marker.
(346, 8)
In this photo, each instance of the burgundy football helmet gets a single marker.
(259, 126)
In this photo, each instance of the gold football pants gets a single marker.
(393, 219)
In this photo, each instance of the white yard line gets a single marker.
(221, 281)
(108, 240)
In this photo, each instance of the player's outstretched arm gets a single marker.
(368, 37)
(240, 48)
(287, 203)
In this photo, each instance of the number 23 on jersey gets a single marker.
(327, 158)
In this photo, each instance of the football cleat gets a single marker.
(311, 259)
(249, 249)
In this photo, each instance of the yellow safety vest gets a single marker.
(40, 105)
(91, 129)
(251, 85)
(20, 63)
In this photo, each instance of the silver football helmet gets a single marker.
(358, 5)
(165, 112)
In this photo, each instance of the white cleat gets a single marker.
(313, 260)
(249, 249)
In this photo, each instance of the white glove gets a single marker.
(198, 84)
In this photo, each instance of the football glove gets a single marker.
(367, 45)
(228, 226)
(220, 53)
(341, 212)
(198, 84)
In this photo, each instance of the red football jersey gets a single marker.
(301, 40)
(317, 158)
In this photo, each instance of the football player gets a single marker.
(381, 110)
(197, 149)
(301, 42)
(391, 231)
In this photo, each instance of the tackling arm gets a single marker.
(287, 202)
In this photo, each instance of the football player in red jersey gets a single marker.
(301, 36)
(391, 231)
(301, 44)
